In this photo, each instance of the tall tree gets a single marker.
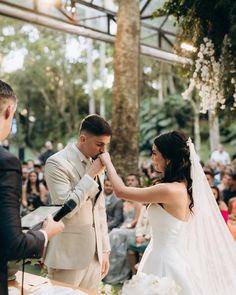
(124, 147)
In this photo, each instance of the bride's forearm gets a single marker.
(117, 182)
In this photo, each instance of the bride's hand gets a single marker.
(96, 168)
(105, 158)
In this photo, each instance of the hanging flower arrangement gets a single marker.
(209, 27)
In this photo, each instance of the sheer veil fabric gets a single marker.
(208, 245)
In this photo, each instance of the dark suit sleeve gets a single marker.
(14, 243)
(118, 216)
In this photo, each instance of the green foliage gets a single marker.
(213, 19)
(200, 18)
(155, 119)
(49, 86)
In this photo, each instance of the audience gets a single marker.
(114, 206)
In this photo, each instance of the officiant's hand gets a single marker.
(96, 168)
(105, 264)
(52, 227)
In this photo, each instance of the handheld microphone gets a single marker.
(66, 208)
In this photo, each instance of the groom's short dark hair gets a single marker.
(6, 93)
(96, 125)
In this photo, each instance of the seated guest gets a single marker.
(24, 175)
(33, 193)
(142, 237)
(114, 206)
(232, 206)
(231, 191)
(222, 206)
(232, 217)
(209, 175)
(226, 180)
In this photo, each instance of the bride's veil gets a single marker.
(208, 245)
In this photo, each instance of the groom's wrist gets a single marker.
(106, 252)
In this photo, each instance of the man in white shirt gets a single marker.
(220, 156)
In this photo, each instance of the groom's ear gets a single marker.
(7, 112)
(82, 138)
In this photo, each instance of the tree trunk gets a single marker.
(171, 83)
(213, 131)
(125, 125)
(102, 77)
(161, 84)
(90, 76)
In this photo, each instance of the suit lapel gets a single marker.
(74, 159)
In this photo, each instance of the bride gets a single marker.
(190, 241)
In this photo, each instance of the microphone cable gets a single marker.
(23, 277)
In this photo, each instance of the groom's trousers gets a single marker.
(88, 278)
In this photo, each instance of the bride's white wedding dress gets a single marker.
(199, 254)
(163, 255)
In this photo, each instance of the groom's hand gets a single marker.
(105, 264)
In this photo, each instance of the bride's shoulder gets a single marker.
(173, 187)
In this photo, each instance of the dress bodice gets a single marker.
(166, 229)
(164, 255)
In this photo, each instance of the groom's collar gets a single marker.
(80, 154)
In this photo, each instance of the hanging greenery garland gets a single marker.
(209, 26)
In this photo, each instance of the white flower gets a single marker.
(207, 77)
(200, 55)
(144, 284)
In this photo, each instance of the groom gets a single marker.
(80, 256)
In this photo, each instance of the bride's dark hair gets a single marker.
(173, 147)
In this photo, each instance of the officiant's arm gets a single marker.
(159, 193)
(59, 181)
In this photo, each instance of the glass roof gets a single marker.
(100, 15)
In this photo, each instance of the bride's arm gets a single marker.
(159, 193)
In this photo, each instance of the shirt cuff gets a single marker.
(45, 236)
(90, 178)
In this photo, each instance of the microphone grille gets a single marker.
(71, 204)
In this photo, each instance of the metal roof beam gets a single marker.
(62, 26)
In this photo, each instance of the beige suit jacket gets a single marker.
(85, 230)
